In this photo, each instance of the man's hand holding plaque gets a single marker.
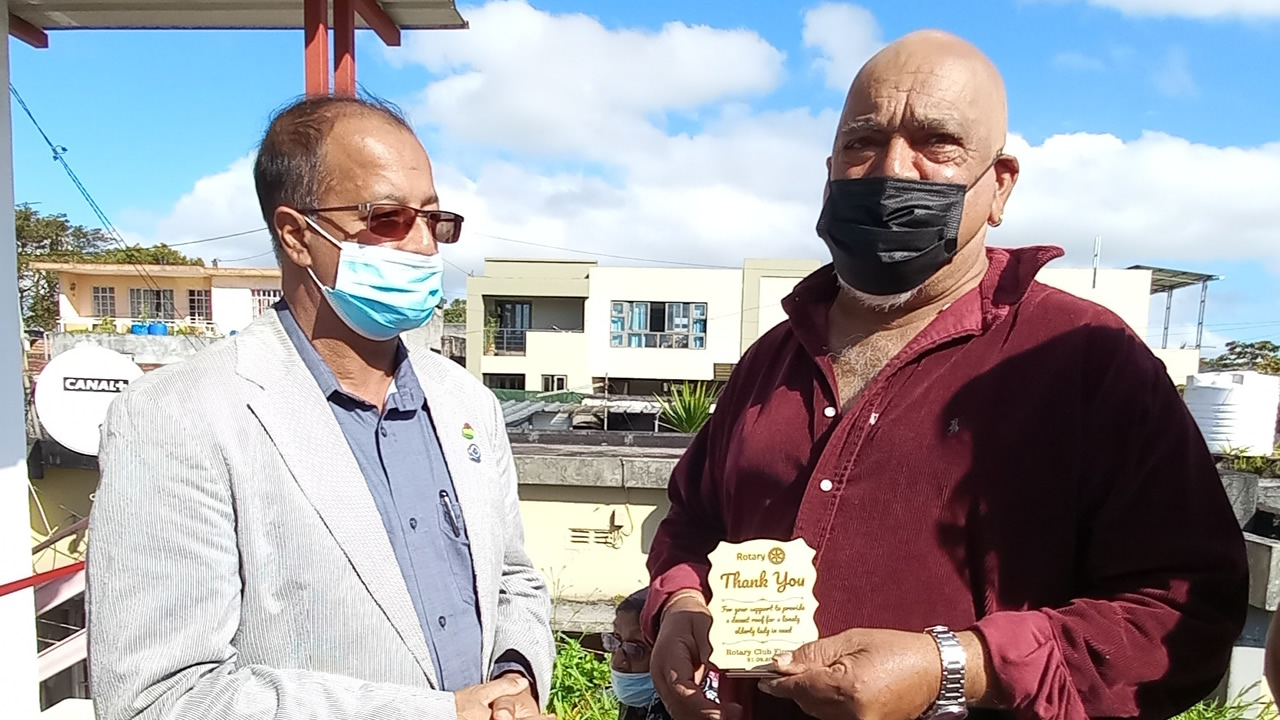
(762, 605)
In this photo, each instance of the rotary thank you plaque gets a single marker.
(762, 604)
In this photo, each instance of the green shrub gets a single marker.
(580, 687)
(688, 408)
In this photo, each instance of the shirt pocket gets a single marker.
(457, 547)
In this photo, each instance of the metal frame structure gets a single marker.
(31, 22)
(1166, 280)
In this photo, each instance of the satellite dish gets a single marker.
(74, 391)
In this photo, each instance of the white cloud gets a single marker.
(526, 79)
(220, 204)
(1173, 77)
(1202, 9)
(749, 183)
(1157, 196)
(846, 36)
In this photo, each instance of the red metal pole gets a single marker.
(379, 21)
(315, 22)
(42, 578)
(344, 48)
(28, 33)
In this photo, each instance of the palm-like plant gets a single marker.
(688, 408)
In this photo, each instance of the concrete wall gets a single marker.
(233, 305)
(721, 290)
(764, 284)
(591, 543)
(146, 349)
(547, 352)
(1126, 293)
(1180, 363)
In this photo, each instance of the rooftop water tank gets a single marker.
(1236, 411)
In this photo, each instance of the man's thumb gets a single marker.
(817, 654)
(511, 684)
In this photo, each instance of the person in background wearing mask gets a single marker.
(629, 663)
(310, 519)
(1013, 511)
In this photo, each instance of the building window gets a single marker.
(199, 305)
(263, 299)
(104, 302)
(504, 382)
(554, 383)
(152, 304)
(651, 324)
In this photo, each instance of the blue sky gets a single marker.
(147, 115)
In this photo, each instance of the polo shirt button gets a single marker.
(826, 485)
(413, 523)
(382, 430)
(442, 621)
(829, 412)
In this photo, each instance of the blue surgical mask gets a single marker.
(380, 292)
(633, 689)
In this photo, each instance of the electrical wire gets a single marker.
(59, 153)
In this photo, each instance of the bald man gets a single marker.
(1013, 512)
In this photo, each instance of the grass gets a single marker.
(1238, 709)
(580, 684)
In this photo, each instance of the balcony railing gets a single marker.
(139, 326)
(507, 341)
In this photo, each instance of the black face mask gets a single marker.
(887, 235)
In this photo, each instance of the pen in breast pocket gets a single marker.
(449, 515)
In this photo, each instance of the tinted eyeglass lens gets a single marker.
(445, 226)
(392, 222)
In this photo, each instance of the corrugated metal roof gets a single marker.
(515, 412)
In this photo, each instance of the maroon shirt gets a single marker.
(1023, 468)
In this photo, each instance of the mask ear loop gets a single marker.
(321, 231)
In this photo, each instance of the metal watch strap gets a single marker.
(951, 697)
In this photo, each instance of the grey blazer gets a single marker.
(238, 567)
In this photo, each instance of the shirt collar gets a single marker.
(1010, 274)
(404, 394)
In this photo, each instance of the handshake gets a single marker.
(509, 697)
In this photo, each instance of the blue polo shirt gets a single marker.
(399, 454)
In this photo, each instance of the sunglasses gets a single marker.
(390, 221)
(613, 642)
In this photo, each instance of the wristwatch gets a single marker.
(950, 704)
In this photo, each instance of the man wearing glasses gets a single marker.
(331, 525)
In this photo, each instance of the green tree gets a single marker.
(135, 254)
(47, 236)
(53, 238)
(1262, 356)
(456, 312)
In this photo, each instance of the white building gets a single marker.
(552, 325)
(186, 298)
